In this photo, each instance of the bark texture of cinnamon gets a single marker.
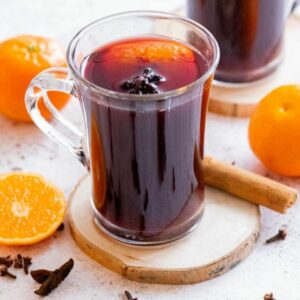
(248, 185)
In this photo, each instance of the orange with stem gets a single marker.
(21, 59)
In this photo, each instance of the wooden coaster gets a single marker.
(225, 236)
(241, 101)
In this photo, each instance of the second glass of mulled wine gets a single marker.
(249, 33)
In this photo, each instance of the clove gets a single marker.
(269, 297)
(26, 263)
(7, 261)
(129, 296)
(281, 235)
(22, 262)
(61, 227)
(18, 262)
(4, 272)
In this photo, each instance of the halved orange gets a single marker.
(150, 51)
(31, 208)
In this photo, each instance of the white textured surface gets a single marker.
(270, 268)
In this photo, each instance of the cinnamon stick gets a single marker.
(248, 185)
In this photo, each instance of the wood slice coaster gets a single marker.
(241, 101)
(225, 236)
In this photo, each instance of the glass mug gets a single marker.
(144, 152)
(249, 33)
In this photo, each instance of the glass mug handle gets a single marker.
(54, 79)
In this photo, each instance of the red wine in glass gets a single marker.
(249, 33)
(146, 157)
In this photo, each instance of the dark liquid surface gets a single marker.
(249, 33)
(146, 157)
(108, 67)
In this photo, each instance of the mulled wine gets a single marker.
(249, 33)
(146, 161)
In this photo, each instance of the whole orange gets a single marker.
(274, 130)
(21, 59)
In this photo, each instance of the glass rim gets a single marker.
(119, 95)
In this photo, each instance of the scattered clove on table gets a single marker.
(281, 235)
(22, 262)
(61, 227)
(18, 262)
(7, 261)
(129, 296)
(4, 272)
(269, 297)
(26, 263)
